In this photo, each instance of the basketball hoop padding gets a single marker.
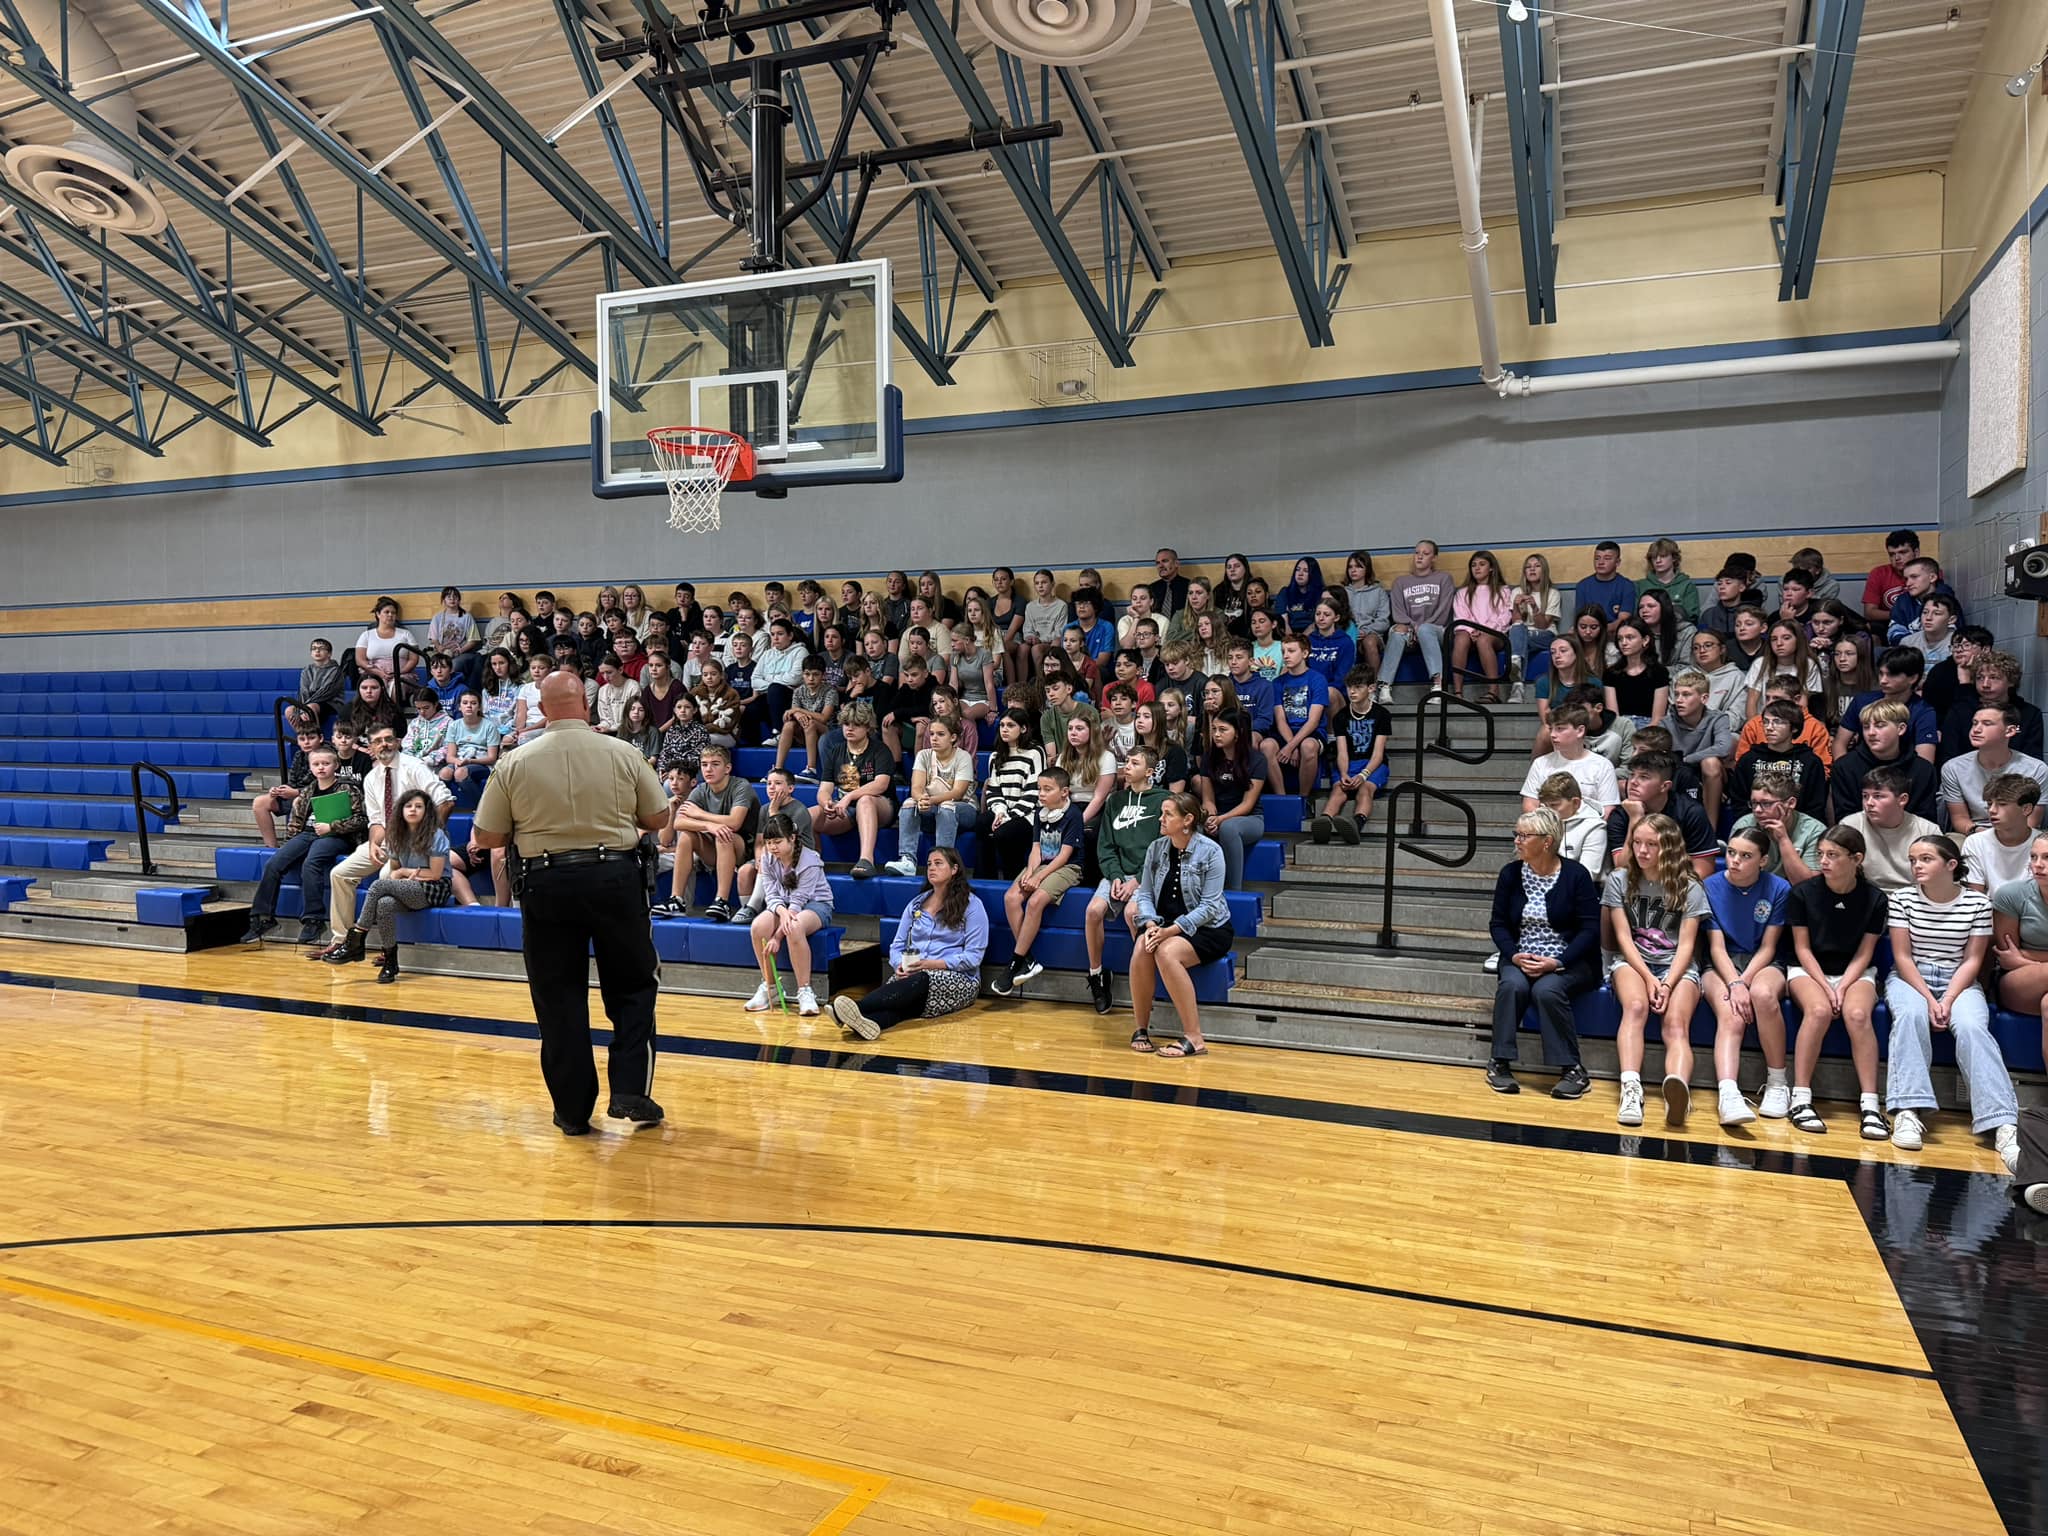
(698, 463)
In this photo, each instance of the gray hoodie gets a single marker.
(1714, 736)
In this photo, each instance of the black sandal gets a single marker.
(1175, 1050)
(1875, 1127)
(1141, 1042)
(1805, 1118)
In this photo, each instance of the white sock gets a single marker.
(1802, 1096)
(1774, 1077)
(1867, 1102)
(1094, 970)
(1633, 1077)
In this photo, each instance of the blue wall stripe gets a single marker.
(1381, 384)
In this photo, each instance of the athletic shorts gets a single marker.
(1061, 880)
(1378, 777)
(1116, 908)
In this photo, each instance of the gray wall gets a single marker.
(1975, 531)
(1378, 471)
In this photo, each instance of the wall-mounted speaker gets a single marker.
(2026, 571)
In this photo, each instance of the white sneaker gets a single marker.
(1908, 1134)
(1733, 1109)
(901, 866)
(1492, 965)
(2006, 1138)
(1631, 1104)
(1515, 694)
(806, 1003)
(761, 1001)
(1777, 1101)
(2036, 1196)
(1385, 693)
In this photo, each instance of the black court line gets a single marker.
(1962, 1256)
(999, 1239)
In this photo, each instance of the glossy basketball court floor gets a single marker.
(286, 1251)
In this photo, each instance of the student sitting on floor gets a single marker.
(936, 954)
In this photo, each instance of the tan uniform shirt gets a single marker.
(570, 787)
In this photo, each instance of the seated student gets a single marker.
(1074, 647)
(1718, 617)
(1949, 683)
(941, 799)
(1640, 686)
(912, 713)
(626, 646)
(1994, 680)
(797, 902)
(614, 689)
(739, 675)
(321, 681)
(1485, 600)
(813, 706)
(1887, 582)
(1922, 577)
(473, 741)
(1742, 982)
(1254, 691)
(298, 774)
(1941, 936)
(1002, 829)
(936, 955)
(1886, 829)
(1546, 920)
(1595, 775)
(974, 671)
(1836, 919)
(415, 877)
(1656, 904)
(444, 684)
(1128, 826)
(1051, 869)
(1127, 667)
(1301, 699)
(719, 710)
(311, 845)
(1747, 635)
(1813, 732)
(778, 671)
(1663, 573)
(1791, 837)
(1726, 682)
(1939, 615)
(1703, 739)
(353, 759)
(1992, 729)
(1670, 636)
(1420, 603)
(856, 783)
(1181, 662)
(1653, 791)
(392, 775)
(1612, 736)
(1582, 829)
(1158, 728)
(1785, 653)
(1606, 589)
(426, 738)
(715, 825)
(1120, 701)
(1229, 793)
(1360, 731)
(779, 786)
(1267, 657)
(1098, 635)
(1782, 722)
(1881, 742)
(1796, 604)
(1997, 855)
(1570, 668)
(374, 706)
(683, 743)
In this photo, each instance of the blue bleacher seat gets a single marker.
(672, 940)
(511, 928)
(26, 813)
(169, 906)
(14, 888)
(241, 863)
(67, 815)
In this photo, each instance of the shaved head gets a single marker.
(561, 697)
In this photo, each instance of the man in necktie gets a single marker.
(394, 774)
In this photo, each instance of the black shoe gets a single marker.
(1098, 991)
(1574, 1084)
(1500, 1077)
(719, 912)
(670, 908)
(1005, 982)
(258, 926)
(1350, 830)
(636, 1107)
(570, 1127)
(351, 949)
(387, 965)
(1321, 829)
(309, 933)
(1022, 969)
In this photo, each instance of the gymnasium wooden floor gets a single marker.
(283, 1250)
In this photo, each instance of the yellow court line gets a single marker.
(862, 1487)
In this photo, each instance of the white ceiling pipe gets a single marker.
(1450, 72)
(84, 180)
(1735, 368)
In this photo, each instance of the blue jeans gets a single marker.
(317, 854)
(1429, 636)
(944, 822)
(1233, 837)
(1909, 1084)
(1521, 639)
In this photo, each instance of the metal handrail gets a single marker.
(1396, 843)
(1442, 745)
(279, 707)
(144, 809)
(401, 675)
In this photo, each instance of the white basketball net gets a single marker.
(697, 463)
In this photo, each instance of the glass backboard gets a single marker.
(796, 362)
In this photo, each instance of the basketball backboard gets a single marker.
(797, 362)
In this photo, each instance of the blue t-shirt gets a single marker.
(1332, 655)
(1255, 693)
(1921, 722)
(1613, 597)
(1298, 695)
(1063, 828)
(740, 677)
(1742, 914)
(1101, 640)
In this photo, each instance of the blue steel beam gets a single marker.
(1308, 103)
(33, 390)
(1531, 130)
(271, 100)
(1082, 100)
(1017, 169)
(1242, 53)
(1817, 101)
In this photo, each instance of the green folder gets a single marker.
(331, 807)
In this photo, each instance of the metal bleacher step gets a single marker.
(1451, 911)
(1431, 980)
(1423, 945)
(1339, 861)
(1362, 1002)
(48, 921)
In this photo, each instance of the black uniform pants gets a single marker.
(569, 913)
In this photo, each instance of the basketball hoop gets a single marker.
(698, 463)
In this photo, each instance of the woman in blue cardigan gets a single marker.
(936, 954)
(1546, 925)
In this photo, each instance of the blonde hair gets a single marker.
(1083, 764)
(1674, 866)
(1887, 712)
(1691, 678)
(1660, 547)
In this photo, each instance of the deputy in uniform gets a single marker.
(575, 803)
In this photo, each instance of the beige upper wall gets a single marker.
(1999, 161)
(1229, 325)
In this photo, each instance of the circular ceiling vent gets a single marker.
(1061, 31)
(86, 188)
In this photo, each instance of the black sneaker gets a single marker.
(258, 926)
(863, 869)
(1022, 969)
(1574, 1084)
(806, 777)
(719, 912)
(309, 933)
(1005, 981)
(1500, 1077)
(570, 1127)
(636, 1107)
(1349, 830)
(1320, 829)
(1098, 990)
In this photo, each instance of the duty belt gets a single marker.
(571, 856)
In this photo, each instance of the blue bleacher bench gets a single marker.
(168, 906)
(27, 852)
(14, 888)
